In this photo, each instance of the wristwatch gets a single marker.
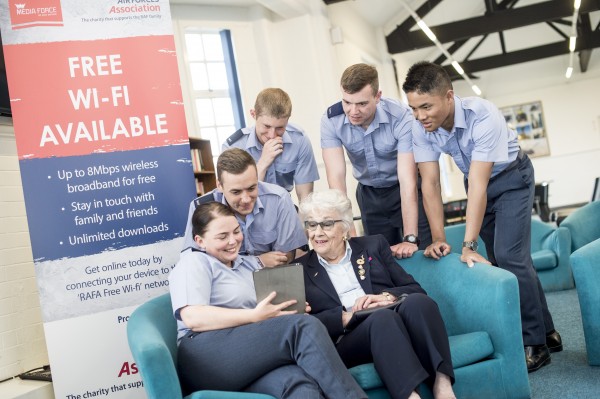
(472, 245)
(388, 296)
(413, 239)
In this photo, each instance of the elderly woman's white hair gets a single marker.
(327, 200)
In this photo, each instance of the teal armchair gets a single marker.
(479, 305)
(480, 308)
(152, 337)
(550, 250)
(584, 225)
(586, 270)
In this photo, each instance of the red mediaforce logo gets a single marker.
(30, 13)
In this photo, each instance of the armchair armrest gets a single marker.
(559, 241)
(482, 298)
(151, 333)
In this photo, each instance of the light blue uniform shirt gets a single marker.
(374, 152)
(200, 279)
(273, 225)
(295, 165)
(480, 133)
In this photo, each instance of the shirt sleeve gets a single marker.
(291, 234)
(403, 131)
(306, 171)
(423, 150)
(190, 281)
(490, 138)
(329, 137)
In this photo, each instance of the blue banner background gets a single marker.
(54, 230)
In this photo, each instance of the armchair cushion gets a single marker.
(470, 348)
(465, 349)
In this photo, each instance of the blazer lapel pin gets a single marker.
(361, 270)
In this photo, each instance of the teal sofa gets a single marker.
(480, 307)
(550, 250)
(586, 270)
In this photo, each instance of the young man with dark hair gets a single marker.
(375, 131)
(266, 213)
(499, 181)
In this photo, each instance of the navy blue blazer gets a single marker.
(382, 273)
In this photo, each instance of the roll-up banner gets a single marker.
(105, 163)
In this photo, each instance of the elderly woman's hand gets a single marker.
(372, 301)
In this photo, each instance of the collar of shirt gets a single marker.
(345, 259)
(460, 121)
(380, 117)
(237, 263)
(459, 114)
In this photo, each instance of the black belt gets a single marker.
(516, 162)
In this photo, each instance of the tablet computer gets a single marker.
(286, 280)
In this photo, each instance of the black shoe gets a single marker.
(554, 342)
(536, 356)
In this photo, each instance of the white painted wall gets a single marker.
(22, 342)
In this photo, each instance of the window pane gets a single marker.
(210, 133)
(217, 76)
(223, 111)
(205, 112)
(199, 76)
(223, 133)
(213, 47)
(193, 44)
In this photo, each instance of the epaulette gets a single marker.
(335, 110)
(235, 137)
(206, 198)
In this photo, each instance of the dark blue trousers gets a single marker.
(407, 346)
(286, 357)
(381, 213)
(506, 232)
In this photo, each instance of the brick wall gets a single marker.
(22, 342)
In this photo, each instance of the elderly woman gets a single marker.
(408, 344)
(228, 341)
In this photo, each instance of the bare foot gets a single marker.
(442, 387)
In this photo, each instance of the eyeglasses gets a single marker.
(326, 225)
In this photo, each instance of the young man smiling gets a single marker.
(499, 180)
(266, 213)
(375, 131)
(282, 151)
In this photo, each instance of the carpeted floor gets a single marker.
(568, 376)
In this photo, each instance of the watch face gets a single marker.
(472, 245)
(411, 238)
